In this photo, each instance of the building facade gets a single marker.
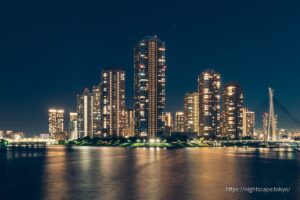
(56, 121)
(248, 123)
(149, 87)
(179, 121)
(130, 123)
(85, 114)
(232, 111)
(168, 119)
(113, 113)
(169, 123)
(191, 112)
(73, 126)
(209, 89)
(96, 94)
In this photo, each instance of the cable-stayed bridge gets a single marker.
(279, 128)
(279, 123)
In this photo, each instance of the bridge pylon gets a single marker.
(271, 131)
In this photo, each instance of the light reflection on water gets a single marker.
(146, 173)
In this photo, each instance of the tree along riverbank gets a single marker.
(133, 142)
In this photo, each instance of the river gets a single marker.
(112, 173)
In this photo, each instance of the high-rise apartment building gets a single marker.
(130, 123)
(179, 121)
(56, 121)
(85, 114)
(168, 119)
(232, 111)
(248, 123)
(209, 89)
(149, 86)
(191, 112)
(96, 94)
(113, 102)
(169, 124)
(73, 126)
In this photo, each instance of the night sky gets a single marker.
(50, 51)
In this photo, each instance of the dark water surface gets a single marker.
(79, 173)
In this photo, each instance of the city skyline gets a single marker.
(130, 100)
(71, 59)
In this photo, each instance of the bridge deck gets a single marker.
(27, 144)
